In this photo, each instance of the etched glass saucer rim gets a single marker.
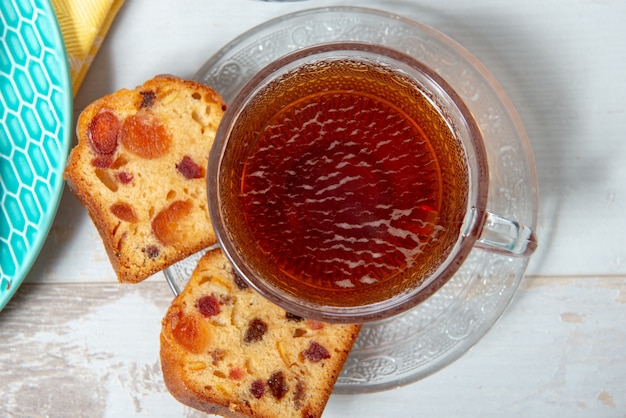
(366, 370)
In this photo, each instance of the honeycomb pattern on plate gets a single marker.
(35, 109)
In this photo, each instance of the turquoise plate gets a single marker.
(35, 125)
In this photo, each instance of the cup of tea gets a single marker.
(348, 182)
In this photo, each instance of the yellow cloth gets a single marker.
(84, 24)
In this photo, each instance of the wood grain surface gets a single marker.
(75, 343)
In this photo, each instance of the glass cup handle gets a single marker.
(507, 237)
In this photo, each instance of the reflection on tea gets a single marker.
(350, 183)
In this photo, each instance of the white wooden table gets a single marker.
(75, 343)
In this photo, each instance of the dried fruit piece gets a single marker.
(316, 352)
(278, 385)
(103, 131)
(217, 355)
(257, 388)
(256, 329)
(124, 177)
(167, 225)
(299, 332)
(105, 177)
(236, 373)
(152, 251)
(307, 413)
(299, 394)
(144, 135)
(208, 306)
(148, 98)
(283, 353)
(102, 161)
(189, 168)
(124, 211)
(314, 325)
(293, 317)
(241, 284)
(190, 333)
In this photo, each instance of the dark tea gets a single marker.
(347, 184)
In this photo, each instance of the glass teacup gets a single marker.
(348, 182)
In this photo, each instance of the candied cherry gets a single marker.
(208, 306)
(316, 352)
(189, 168)
(103, 131)
(102, 161)
(124, 177)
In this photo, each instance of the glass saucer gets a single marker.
(413, 345)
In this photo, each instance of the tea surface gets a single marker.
(342, 190)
